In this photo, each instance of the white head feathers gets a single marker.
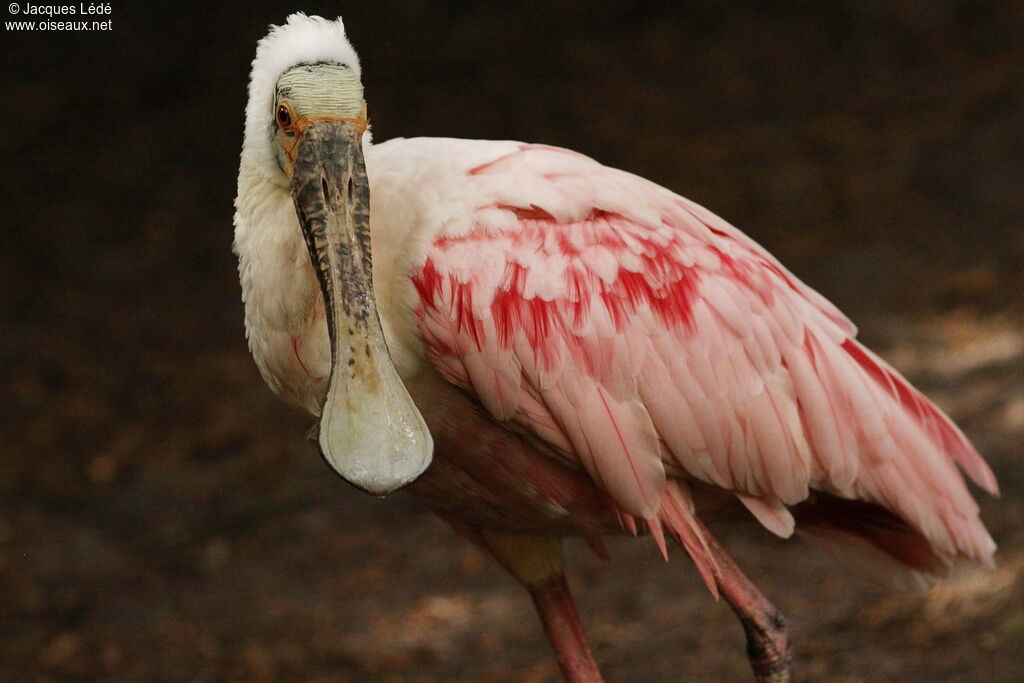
(301, 39)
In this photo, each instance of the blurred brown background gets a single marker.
(163, 518)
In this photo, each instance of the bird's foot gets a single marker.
(768, 648)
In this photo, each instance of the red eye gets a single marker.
(284, 116)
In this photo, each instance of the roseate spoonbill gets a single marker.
(547, 347)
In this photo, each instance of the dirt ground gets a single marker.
(162, 516)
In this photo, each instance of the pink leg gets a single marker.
(768, 648)
(561, 622)
(536, 562)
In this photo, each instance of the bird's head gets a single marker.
(305, 126)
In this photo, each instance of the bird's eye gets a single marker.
(284, 116)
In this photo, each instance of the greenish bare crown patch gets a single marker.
(322, 89)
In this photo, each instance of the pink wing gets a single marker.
(646, 339)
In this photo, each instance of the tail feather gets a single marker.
(828, 518)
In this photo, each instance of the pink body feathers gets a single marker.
(642, 338)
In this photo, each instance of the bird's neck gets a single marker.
(278, 284)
